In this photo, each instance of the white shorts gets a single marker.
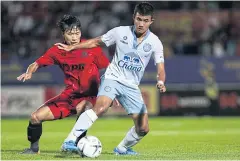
(130, 98)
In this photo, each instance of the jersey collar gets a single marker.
(135, 44)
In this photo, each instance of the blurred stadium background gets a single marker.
(201, 46)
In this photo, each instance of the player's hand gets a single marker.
(24, 77)
(161, 87)
(64, 47)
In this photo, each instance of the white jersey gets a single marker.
(130, 58)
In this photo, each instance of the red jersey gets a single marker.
(80, 67)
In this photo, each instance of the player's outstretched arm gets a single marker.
(161, 76)
(28, 74)
(91, 43)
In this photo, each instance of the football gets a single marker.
(90, 146)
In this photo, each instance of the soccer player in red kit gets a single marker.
(82, 78)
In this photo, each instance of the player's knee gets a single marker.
(34, 118)
(80, 107)
(102, 106)
(88, 105)
(142, 131)
(100, 110)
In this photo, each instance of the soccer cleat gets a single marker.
(30, 151)
(128, 152)
(69, 146)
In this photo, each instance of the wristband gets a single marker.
(161, 82)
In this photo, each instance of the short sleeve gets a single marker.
(110, 37)
(47, 58)
(158, 52)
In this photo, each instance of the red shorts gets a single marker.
(64, 105)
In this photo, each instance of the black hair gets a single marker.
(144, 8)
(68, 22)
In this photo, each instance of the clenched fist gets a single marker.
(160, 85)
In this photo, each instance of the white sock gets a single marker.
(130, 140)
(84, 122)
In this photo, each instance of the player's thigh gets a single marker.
(132, 101)
(56, 103)
(108, 91)
(61, 110)
(61, 106)
(141, 123)
(43, 113)
(109, 88)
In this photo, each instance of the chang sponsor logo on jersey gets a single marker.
(130, 63)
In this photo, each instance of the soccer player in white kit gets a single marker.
(134, 47)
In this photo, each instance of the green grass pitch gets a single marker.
(172, 138)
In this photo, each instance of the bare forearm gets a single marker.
(32, 68)
(161, 75)
(91, 43)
